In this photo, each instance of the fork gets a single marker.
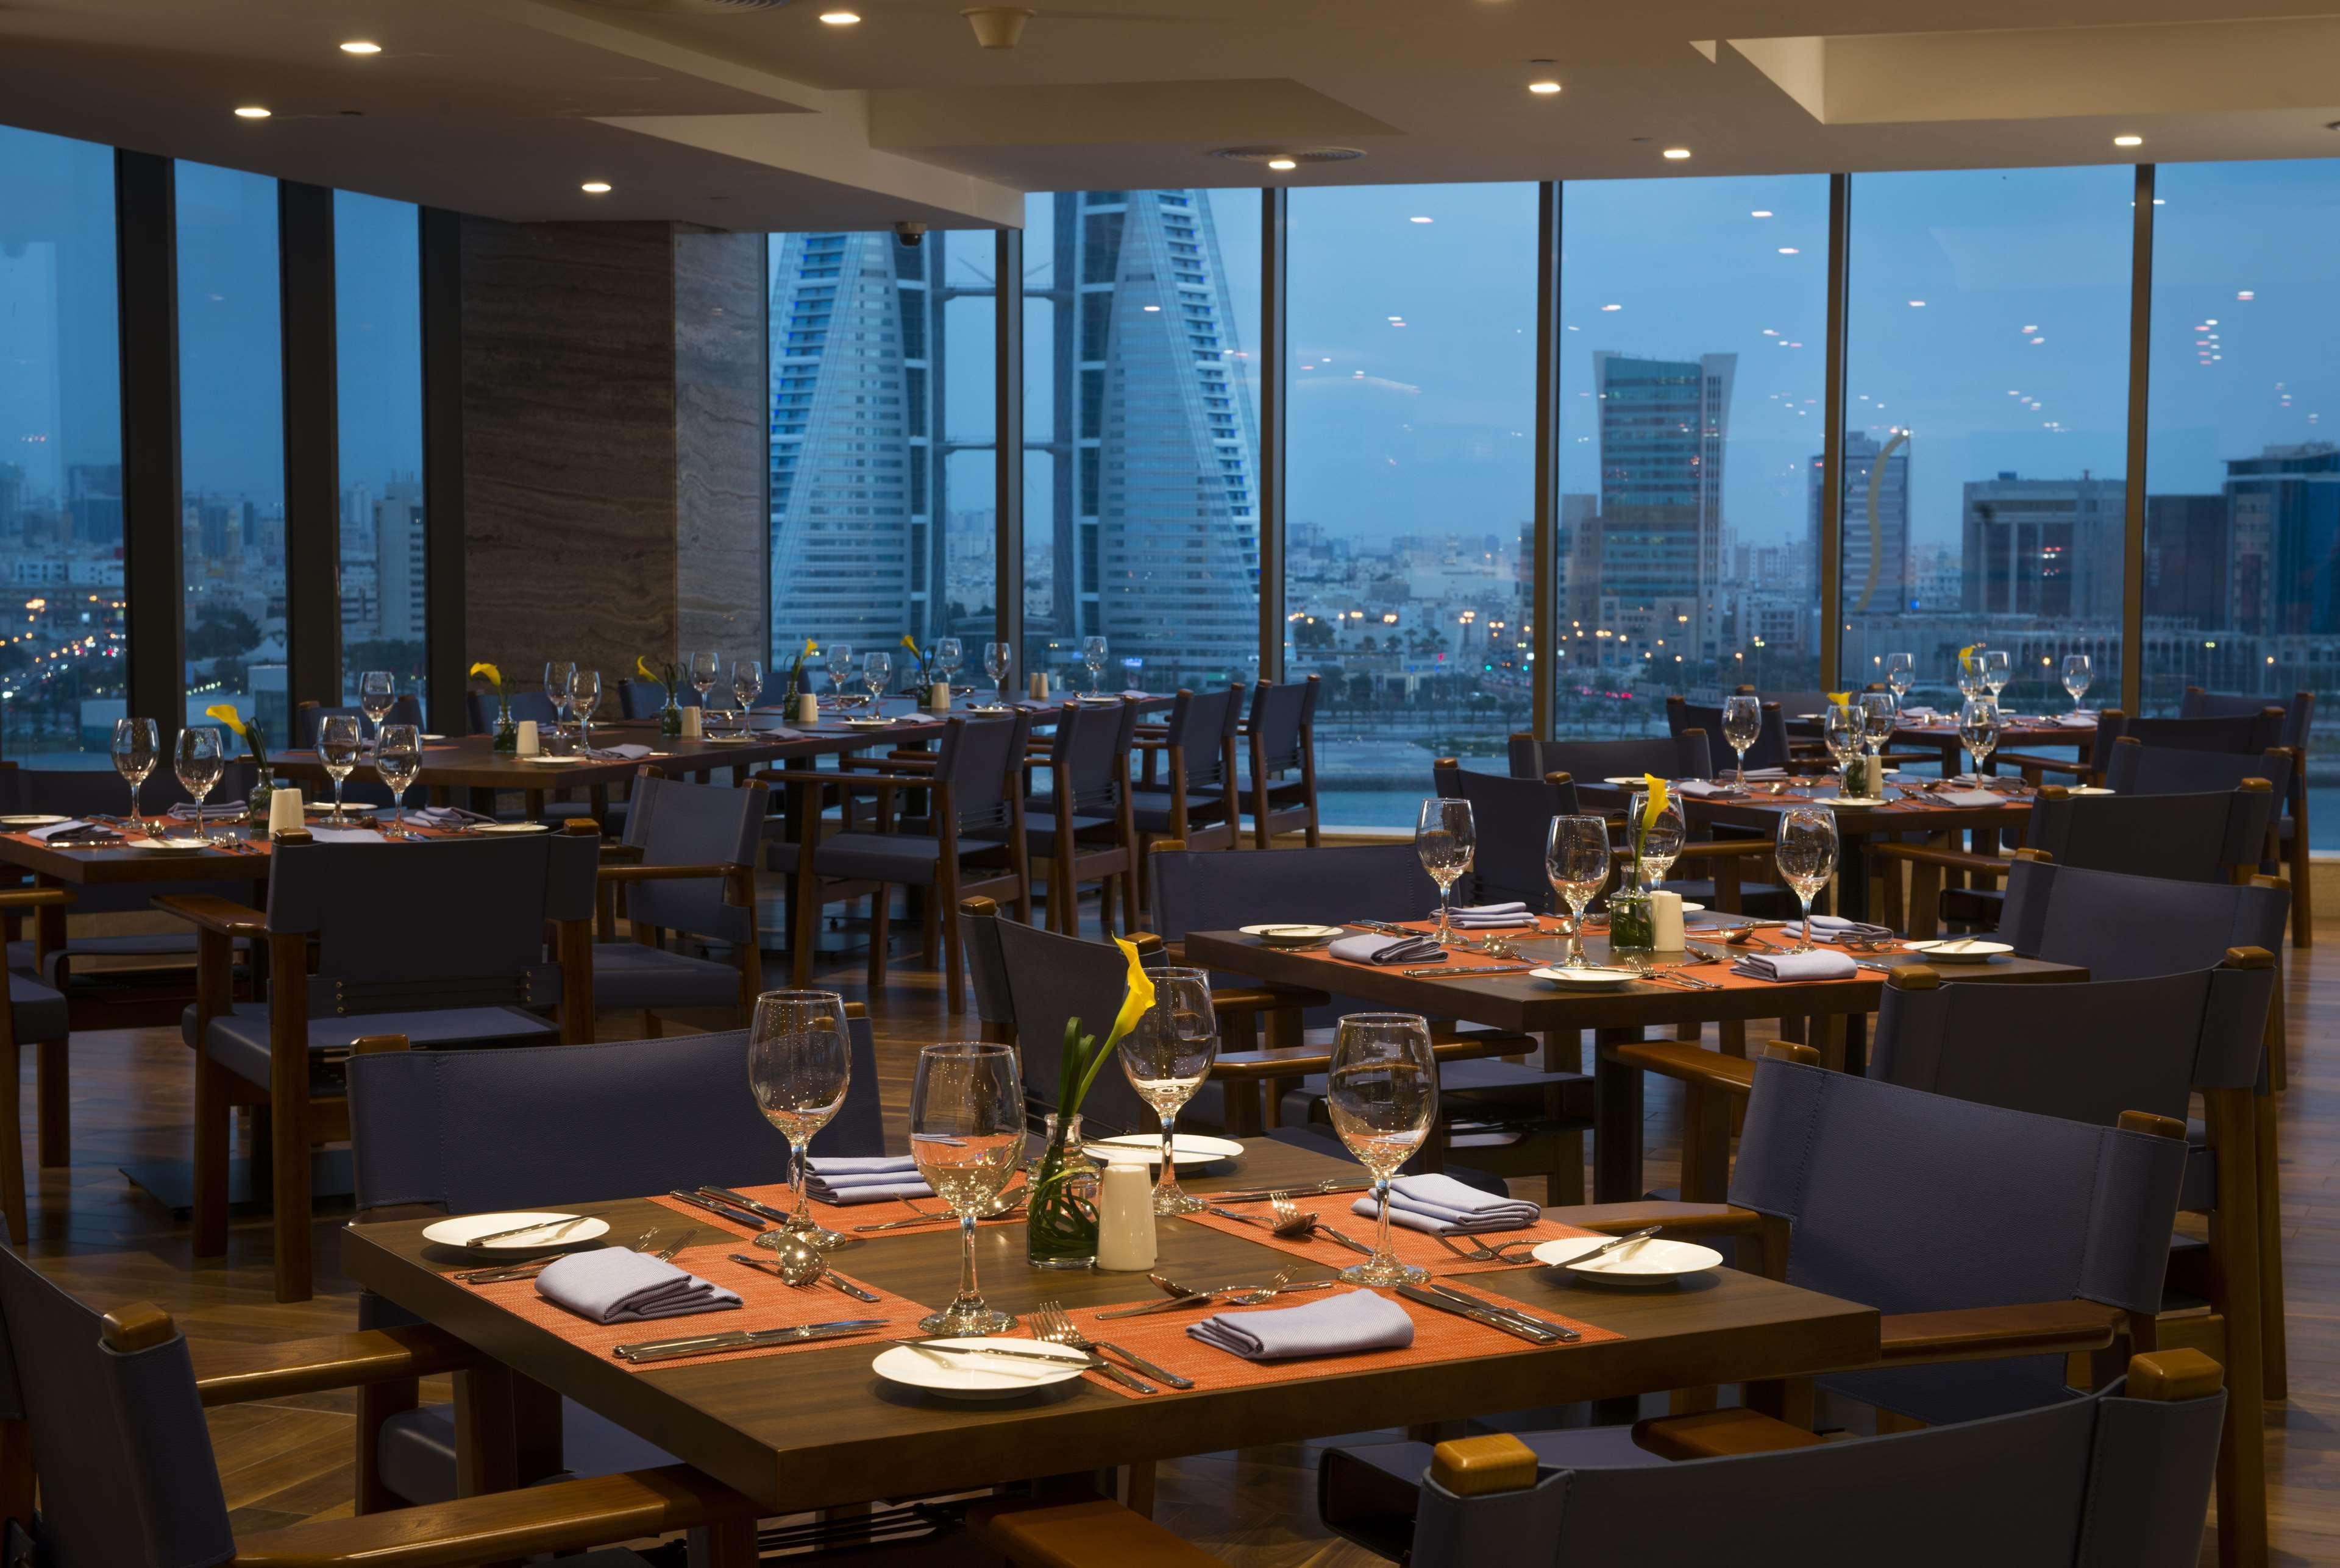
(531, 1270)
(1048, 1322)
(1290, 1214)
(1479, 1251)
(666, 1254)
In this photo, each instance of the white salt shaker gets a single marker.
(1125, 1218)
(694, 724)
(285, 810)
(1666, 920)
(524, 742)
(939, 697)
(808, 708)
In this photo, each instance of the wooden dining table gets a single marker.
(816, 1427)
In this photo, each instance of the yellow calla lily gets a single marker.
(1965, 654)
(645, 668)
(910, 641)
(809, 649)
(1839, 699)
(489, 671)
(1657, 803)
(1140, 996)
(226, 715)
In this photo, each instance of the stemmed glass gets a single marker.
(1978, 730)
(557, 676)
(1900, 670)
(1661, 841)
(339, 737)
(398, 758)
(137, 747)
(799, 1064)
(1383, 1095)
(747, 684)
(1093, 651)
(2078, 671)
(1997, 671)
(840, 667)
(1970, 672)
(585, 696)
(377, 695)
(1879, 715)
(876, 669)
(967, 1131)
(706, 667)
(1168, 1056)
(197, 760)
(1743, 723)
(999, 658)
(1806, 853)
(1842, 730)
(1445, 838)
(948, 653)
(1576, 862)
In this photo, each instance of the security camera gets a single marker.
(910, 233)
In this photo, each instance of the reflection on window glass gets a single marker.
(1411, 494)
(378, 338)
(62, 634)
(1692, 367)
(1988, 378)
(232, 443)
(1142, 442)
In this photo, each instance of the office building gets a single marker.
(1665, 427)
(2043, 547)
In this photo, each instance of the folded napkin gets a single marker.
(1917, 713)
(1765, 773)
(1378, 947)
(780, 733)
(1832, 928)
(1342, 1324)
(1971, 797)
(620, 754)
(2079, 721)
(66, 831)
(618, 1284)
(1491, 916)
(345, 835)
(447, 817)
(1133, 692)
(864, 1179)
(1700, 788)
(1445, 1207)
(1821, 963)
(220, 811)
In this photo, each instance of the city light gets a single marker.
(251, 111)
(1545, 89)
(595, 187)
(359, 46)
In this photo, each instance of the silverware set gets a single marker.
(531, 1270)
(1510, 1320)
(743, 1339)
(1048, 1322)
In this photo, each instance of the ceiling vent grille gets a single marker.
(692, 7)
(1297, 154)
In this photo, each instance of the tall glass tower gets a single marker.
(1664, 424)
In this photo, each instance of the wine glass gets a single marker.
(1978, 730)
(967, 1131)
(799, 1064)
(1878, 718)
(585, 696)
(1970, 672)
(1742, 722)
(1661, 841)
(1842, 730)
(1900, 670)
(2078, 671)
(876, 669)
(840, 667)
(1168, 1056)
(706, 667)
(1383, 1096)
(999, 658)
(1998, 669)
(1093, 651)
(557, 676)
(398, 758)
(198, 761)
(948, 653)
(747, 684)
(377, 695)
(1806, 853)
(137, 747)
(1445, 838)
(339, 738)
(1576, 861)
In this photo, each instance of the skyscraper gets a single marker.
(2047, 548)
(400, 559)
(1663, 426)
(2285, 515)
(1874, 520)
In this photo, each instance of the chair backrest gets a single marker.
(481, 707)
(641, 699)
(2119, 927)
(2183, 837)
(1200, 890)
(1915, 1202)
(1283, 715)
(2298, 713)
(1052, 978)
(1512, 818)
(2110, 1481)
(2134, 768)
(1202, 725)
(124, 1458)
(2247, 732)
(677, 824)
(404, 926)
(983, 761)
(1091, 747)
(1771, 747)
(308, 716)
(473, 1131)
(978, 927)
(1684, 755)
(1790, 704)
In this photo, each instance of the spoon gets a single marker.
(799, 1263)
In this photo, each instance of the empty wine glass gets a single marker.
(2078, 671)
(557, 676)
(1806, 853)
(1970, 671)
(746, 684)
(1900, 670)
(841, 667)
(398, 758)
(1166, 1056)
(377, 695)
(1742, 724)
(800, 1065)
(197, 760)
(1576, 862)
(1093, 651)
(1979, 726)
(948, 655)
(1878, 718)
(705, 668)
(1661, 841)
(339, 737)
(1998, 669)
(137, 747)
(585, 696)
(1382, 1093)
(876, 669)
(1445, 838)
(967, 1132)
(1841, 732)
(999, 658)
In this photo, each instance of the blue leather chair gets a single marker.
(1196, 804)
(1771, 747)
(1083, 827)
(1281, 742)
(1685, 754)
(1510, 819)
(481, 708)
(686, 870)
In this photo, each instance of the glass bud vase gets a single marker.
(255, 802)
(1860, 776)
(507, 731)
(1631, 926)
(1060, 1229)
(670, 716)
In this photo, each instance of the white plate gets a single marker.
(725, 741)
(1960, 950)
(867, 724)
(989, 708)
(1854, 800)
(541, 761)
(1186, 1149)
(1292, 935)
(2087, 789)
(456, 1232)
(1690, 908)
(1099, 702)
(168, 846)
(325, 808)
(24, 822)
(511, 827)
(1656, 1261)
(1587, 978)
(1628, 781)
(427, 735)
(978, 1377)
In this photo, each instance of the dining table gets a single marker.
(814, 1425)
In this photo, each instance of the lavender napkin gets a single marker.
(1442, 1206)
(864, 1179)
(448, 816)
(1835, 928)
(219, 811)
(1700, 788)
(344, 834)
(1491, 916)
(620, 754)
(1342, 1324)
(618, 1284)
(1377, 947)
(69, 831)
(2084, 720)
(1821, 963)
(1971, 797)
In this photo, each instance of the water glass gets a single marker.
(1445, 839)
(2078, 671)
(841, 667)
(398, 758)
(585, 696)
(1806, 853)
(1661, 841)
(1900, 670)
(1879, 715)
(706, 667)
(137, 747)
(746, 684)
(1576, 862)
(1093, 651)
(999, 658)
(1998, 669)
(557, 676)
(1970, 672)
(1166, 1057)
(948, 653)
(1979, 726)
(377, 695)
(1843, 730)
(1742, 724)
(1382, 1094)
(966, 1133)
(339, 737)
(800, 1065)
(198, 761)
(876, 669)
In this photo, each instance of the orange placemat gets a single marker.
(259, 845)
(768, 1303)
(840, 1217)
(1162, 1338)
(1410, 1246)
(1460, 964)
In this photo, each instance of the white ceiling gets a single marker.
(769, 119)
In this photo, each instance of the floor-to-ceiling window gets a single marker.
(232, 443)
(62, 629)
(1987, 374)
(378, 341)
(1692, 326)
(1410, 371)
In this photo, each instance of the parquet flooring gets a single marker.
(1255, 1507)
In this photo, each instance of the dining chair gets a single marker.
(1771, 747)
(441, 942)
(308, 714)
(685, 870)
(483, 708)
(36, 1015)
(2291, 828)
(1684, 755)
(2248, 732)
(435, 1132)
(1197, 749)
(1510, 818)
(641, 699)
(1281, 742)
(2134, 767)
(105, 1416)
(1083, 826)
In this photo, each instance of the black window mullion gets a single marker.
(312, 483)
(146, 270)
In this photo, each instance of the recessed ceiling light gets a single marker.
(1283, 163)
(359, 46)
(2128, 141)
(595, 187)
(840, 18)
(1917, 304)
(1417, 220)
(1790, 250)
(1677, 153)
(1612, 306)
(251, 111)
(1760, 213)
(1546, 88)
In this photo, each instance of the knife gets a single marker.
(555, 1226)
(829, 1275)
(1321, 1189)
(1484, 1314)
(743, 1339)
(1153, 1306)
(1466, 974)
(1096, 1363)
(720, 1210)
(1568, 1336)
(764, 1210)
(1606, 1247)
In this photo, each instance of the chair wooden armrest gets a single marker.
(35, 897)
(1300, 1061)
(1680, 1218)
(1690, 1064)
(633, 873)
(211, 912)
(1482, 1466)
(620, 854)
(563, 1515)
(1094, 1533)
(1148, 945)
(1718, 1435)
(237, 1375)
(2027, 761)
(1991, 1333)
(1149, 744)
(1947, 859)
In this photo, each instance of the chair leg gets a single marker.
(212, 1136)
(955, 980)
(12, 1154)
(2275, 1353)
(55, 1099)
(293, 1264)
(881, 932)
(1063, 898)
(804, 929)
(1128, 879)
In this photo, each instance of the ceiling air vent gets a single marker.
(692, 7)
(1297, 154)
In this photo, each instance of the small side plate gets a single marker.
(1186, 1149)
(36, 820)
(541, 761)
(455, 1232)
(1656, 1261)
(1854, 800)
(511, 827)
(325, 808)
(978, 1377)
(1960, 950)
(1587, 978)
(1292, 935)
(168, 846)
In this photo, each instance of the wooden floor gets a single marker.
(282, 1463)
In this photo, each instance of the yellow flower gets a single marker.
(1841, 699)
(484, 668)
(644, 668)
(809, 649)
(1967, 653)
(911, 642)
(1139, 998)
(227, 716)
(1650, 813)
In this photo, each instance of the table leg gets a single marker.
(1616, 1122)
(1853, 879)
(55, 1096)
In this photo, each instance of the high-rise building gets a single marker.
(2048, 548)
(2284, 518)
(400, 583)
(2185, 559)
(93, 496)
(1663, 426)
(1874, 521)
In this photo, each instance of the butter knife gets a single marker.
(1567, 1336)
(1487, 1315)
(742, 1199)
(743, 1339)
(1466, 974)
(554, 1225)
(720, 1210)
(1153, 1306)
